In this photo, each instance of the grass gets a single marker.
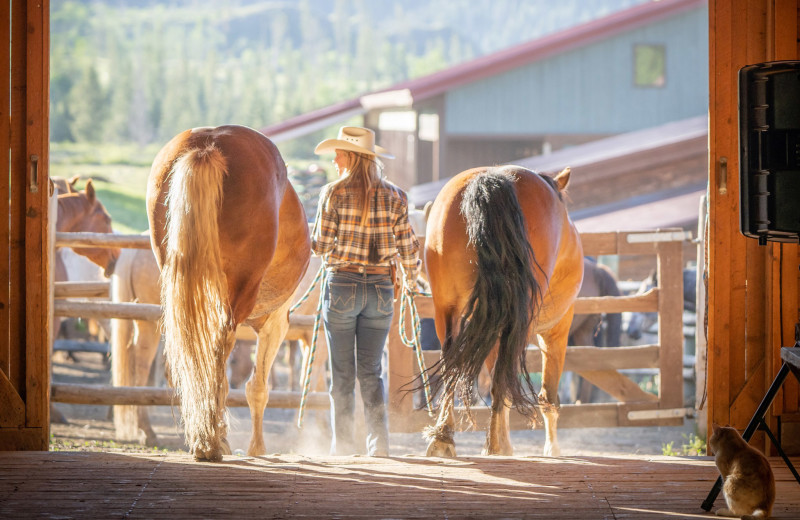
(119, 175)
(693, 447)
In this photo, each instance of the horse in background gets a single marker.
(231, 240)
(599, 330)
(82, 211)
(505, 266)
(79, 211)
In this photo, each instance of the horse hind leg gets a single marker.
(498, 438)
(221, 447)
(270, 336)
(440, 437)
(554, 351)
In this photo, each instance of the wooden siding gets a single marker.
(590, 89)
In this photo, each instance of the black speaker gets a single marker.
(769, 151)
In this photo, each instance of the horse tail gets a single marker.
(196, 313)
(607, 284)
(505, 298)
(122, 362)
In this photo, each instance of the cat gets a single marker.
(749, 485)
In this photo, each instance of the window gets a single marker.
(649, 65)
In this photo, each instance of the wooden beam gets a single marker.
(149, 396)
(81, 289)
(38, 274)
(617, 385)
(86, 239)
(580, 359)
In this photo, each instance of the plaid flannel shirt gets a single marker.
(340, 238)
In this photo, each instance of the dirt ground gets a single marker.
(91, 427)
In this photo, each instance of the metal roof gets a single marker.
(419, 89)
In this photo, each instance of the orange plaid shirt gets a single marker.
(340, 238)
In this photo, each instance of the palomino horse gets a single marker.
(505, 265)
(134, 343)
(231, 240)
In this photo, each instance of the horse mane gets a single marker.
(552, 183)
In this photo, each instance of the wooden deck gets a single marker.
(152, 486)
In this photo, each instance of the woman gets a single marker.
(361, 226)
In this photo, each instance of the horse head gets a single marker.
(82, 211)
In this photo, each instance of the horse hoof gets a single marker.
(151, 441)
(441, 449)
(504, 452)
(256, 449)
(207, 456)
(552, 450)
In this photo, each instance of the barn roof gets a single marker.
(605, 158)
(642, 151)
(405, 93)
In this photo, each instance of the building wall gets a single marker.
(591, 89)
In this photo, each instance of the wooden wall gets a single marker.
(25, 310)
(753, 290)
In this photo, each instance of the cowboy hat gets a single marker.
(354, 139)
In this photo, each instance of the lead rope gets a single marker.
(407, 300)
(313, 351)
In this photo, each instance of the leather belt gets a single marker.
(363, 269)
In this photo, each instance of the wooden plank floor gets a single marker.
(171, 486)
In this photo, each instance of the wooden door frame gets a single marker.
(25, 310)
(753, 290)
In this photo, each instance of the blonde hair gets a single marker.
(363, 172)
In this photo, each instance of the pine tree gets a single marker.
(88, 104)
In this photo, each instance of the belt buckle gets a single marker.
(362, 269)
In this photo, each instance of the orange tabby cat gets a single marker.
(749, 487)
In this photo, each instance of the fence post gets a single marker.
(670, 323)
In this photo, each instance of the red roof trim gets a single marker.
(507, 59)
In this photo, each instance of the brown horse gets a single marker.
(231, 240)
(83, 211)
(505, 265)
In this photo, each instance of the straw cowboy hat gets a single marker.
(354, 139)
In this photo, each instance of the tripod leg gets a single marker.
(757, 418)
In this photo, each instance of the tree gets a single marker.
(89, 106)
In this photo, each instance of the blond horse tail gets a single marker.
(122, 362)
(196, 313)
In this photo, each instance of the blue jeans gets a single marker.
(357, 312)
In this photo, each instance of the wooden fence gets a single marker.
(600, 366)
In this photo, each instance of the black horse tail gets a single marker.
(607, 285)
(505, 299)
